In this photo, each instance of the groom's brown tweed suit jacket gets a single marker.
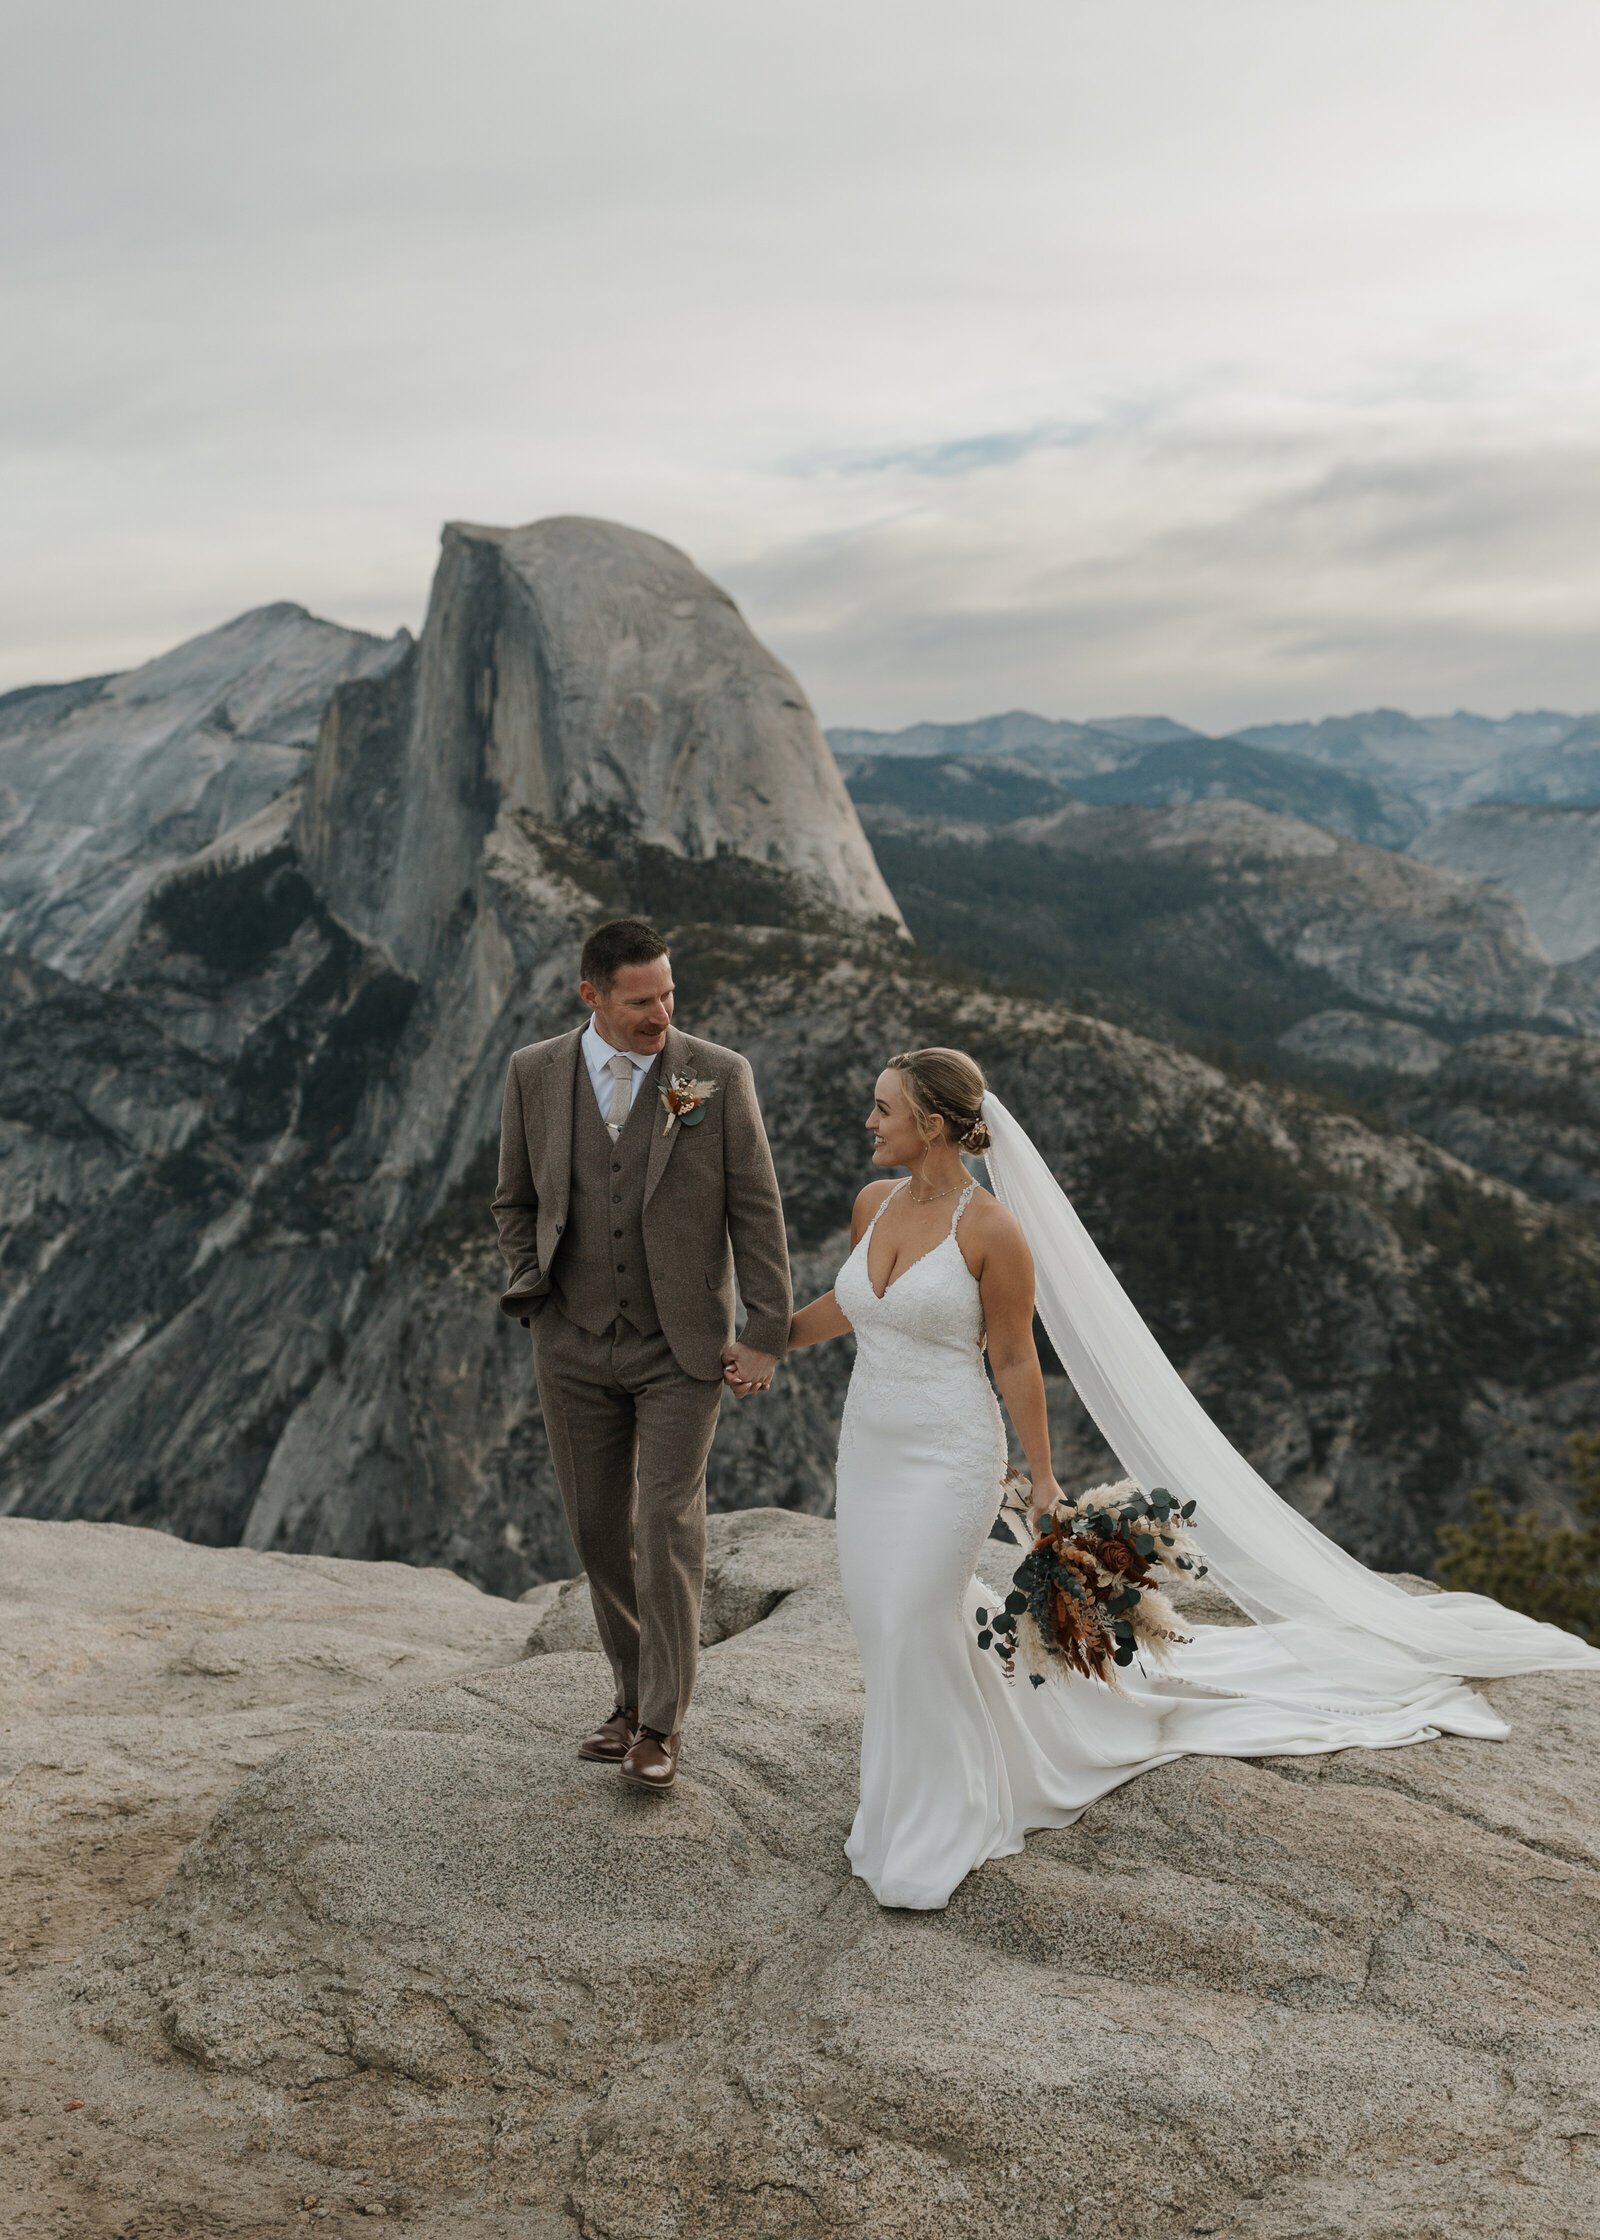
(709, 1205)
(622, 1258)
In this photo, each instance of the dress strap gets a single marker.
(962, 1203)
(882, 1202)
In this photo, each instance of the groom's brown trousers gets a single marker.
(616, 1404)
(629, 1361)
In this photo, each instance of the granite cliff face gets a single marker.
(1549, 859)
(588, 676)
(108, 784)
(411, 1956)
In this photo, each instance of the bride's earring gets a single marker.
(919, 1176)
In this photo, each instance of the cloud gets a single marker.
(1392, 576)
(956, 455)
(1226, 359)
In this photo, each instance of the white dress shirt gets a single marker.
(597, 1056)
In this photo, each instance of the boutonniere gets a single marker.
(685, 1100)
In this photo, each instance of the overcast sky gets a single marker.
(1231, 358)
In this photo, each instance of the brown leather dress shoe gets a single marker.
(610, 1743)
(653, 1760)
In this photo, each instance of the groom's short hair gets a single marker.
(618, 942)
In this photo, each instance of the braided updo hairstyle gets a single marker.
(948, 1085)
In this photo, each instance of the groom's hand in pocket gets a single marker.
(746, 1370)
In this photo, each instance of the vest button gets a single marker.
(622, 1267)
(616, 1166)
(622, 1302)
(616, 1232)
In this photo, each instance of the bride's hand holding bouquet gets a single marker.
(1045, 1497)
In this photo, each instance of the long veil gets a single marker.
(1329, 1611)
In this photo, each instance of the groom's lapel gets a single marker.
(560, 1080)
(662, 1138)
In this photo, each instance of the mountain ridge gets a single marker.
(1548, 857)
(1434, 763)
(108, 785)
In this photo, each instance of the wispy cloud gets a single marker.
(954, 455)
(1231, 594)
(1234, 359)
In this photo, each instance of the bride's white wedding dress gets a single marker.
(957, 1762)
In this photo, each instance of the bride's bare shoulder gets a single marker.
(866, 1205)
(990, 1226)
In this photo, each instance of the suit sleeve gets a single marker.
(516, 1203)
(755, 1218)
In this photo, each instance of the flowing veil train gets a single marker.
(1362, 1637)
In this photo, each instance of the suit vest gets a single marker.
(599, 1274)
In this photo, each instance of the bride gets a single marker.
(957, 1763)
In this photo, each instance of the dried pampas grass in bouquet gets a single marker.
(1086, 1597)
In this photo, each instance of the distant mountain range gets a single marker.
(1169, 775)
(1381, 905)
(1509, 801)
(1380, 777)
(1450, 762)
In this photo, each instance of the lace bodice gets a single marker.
(919, 1359)
(934, 1303)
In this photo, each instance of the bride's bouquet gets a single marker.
(1087, 1595)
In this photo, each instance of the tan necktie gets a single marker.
(621, 1093)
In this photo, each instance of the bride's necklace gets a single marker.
(933, 1196)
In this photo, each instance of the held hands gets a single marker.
(744, 1370)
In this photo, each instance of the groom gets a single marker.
(635, 1183)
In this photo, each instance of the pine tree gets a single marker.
(1549, 1571)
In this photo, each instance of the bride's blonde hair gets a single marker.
(945, 1085)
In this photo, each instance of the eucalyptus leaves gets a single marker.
(1086, 1595)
